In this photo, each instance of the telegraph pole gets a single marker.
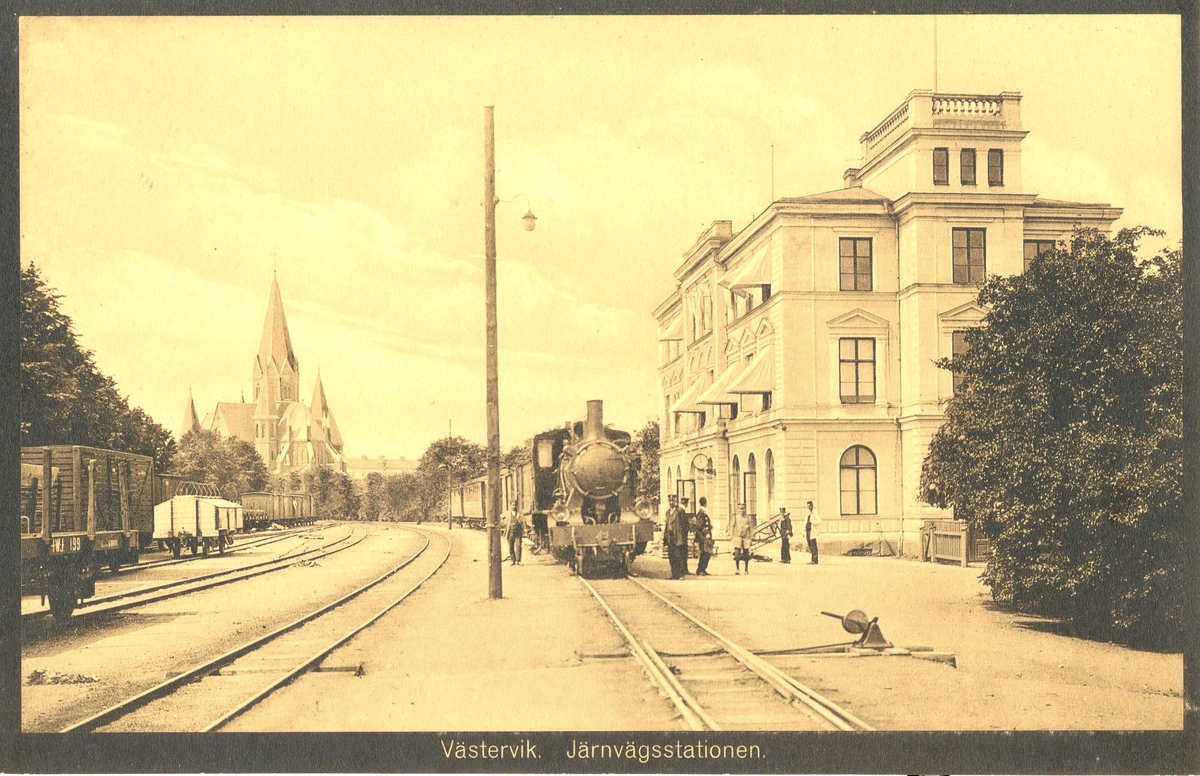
(495, 584)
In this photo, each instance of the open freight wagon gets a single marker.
(82, 508)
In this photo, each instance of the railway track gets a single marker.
(234, 682)
(128, 599)
(245, 542)
(714, 683)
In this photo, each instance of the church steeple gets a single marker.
(191, 421)
(276, 370)
(324, 427)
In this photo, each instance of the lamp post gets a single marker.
(495, 584)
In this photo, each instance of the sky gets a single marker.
(170, 165)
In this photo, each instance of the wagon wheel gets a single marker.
(176, 547)
(221, 545)
(195, 545)
(207, 545)
(114, 564)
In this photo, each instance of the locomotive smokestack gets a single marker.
(593, 427)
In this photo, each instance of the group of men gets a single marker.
(676, 528)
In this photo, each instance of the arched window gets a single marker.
(858, 482)
(750, 480)
(770, 463)
(735, 486)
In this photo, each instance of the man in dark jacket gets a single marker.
(704, 538)
(785, 536)
(674, 538)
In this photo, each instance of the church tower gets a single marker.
(276, 371)
(276, 377)
(324, 434)
(191, 421)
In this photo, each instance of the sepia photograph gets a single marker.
(664, 388)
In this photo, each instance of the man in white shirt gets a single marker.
(811, 528)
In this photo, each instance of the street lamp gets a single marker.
(495, 584)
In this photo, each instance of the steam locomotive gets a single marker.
(578, 492)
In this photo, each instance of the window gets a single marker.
(766, 402)
(766, 291)
(858, 482)
(995, 167)
(856, 362)
(1035, 248)
(770, 463)
(750, 487)
(735, 486)
(855, 257)
(941, 166)
(966, 161)
(970, 248)
(958, 346)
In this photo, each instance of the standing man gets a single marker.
(743, 534)
(671, 534)
(811, 527)
(785, 536)
(515, 528)
(683, 531)
(704, 538)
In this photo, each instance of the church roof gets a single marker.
(190, 420)
(234, 419)
(322, 416)
(275, 345)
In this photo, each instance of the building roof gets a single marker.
(1043, 202)
(234, 419)
(190, 419)
(322, 416)
(852, 194)
(275, 345)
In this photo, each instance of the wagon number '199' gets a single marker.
(64, 544)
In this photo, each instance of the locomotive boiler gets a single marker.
(594, 523)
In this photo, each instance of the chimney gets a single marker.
(593, 427)
(850, 179)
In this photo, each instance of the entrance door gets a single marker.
(686, 489)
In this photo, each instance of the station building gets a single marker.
(797, 357)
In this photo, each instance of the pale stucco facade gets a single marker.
(842, 409)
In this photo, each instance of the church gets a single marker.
(288, 434)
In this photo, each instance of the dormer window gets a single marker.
(967, 162)
(941, 166)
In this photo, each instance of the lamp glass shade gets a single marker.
(530, 220)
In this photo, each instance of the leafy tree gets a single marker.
(373, 502)
(64, 398)
(231, 464)
(446, 463)
(403, 495)
(1063, 443)
(333, 492)
(645, 450)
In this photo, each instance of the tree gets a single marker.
(332, 491)
(444, 464)
(373, 500)
(645, 451)
(64, 398)
(1063, 442)
(231, 464)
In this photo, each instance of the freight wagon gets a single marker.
(262, 510)
(198, 518)
(79, 513)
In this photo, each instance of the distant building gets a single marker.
(287, 433)
(797, 357)
(359, 468)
